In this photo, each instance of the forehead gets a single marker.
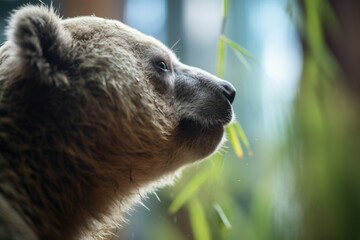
(97, 29)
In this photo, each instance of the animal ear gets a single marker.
(39, 44)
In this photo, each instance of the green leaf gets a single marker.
(243, 60)
(235, 143)
(199, 225)
(189, 191)
(314, 29)
(240, 132)
(222, 215)
(236, 47)
(240, 52)
(220, 58)
(329, 18)
(225, 8)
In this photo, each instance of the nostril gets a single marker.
(229, 91)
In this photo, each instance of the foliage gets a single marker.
(326, 133)
(188, 196)
(313, 190)
(305, 184)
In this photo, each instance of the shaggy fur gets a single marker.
(94, 114)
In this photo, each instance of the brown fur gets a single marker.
(89, 122)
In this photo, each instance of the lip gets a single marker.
(208, 118)
(226, 117)
(189, 123)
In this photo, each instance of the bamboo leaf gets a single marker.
(225, 8)
(243, 60)
(330, 17)
(235, 143)
(240, 52)
(242, 136)
(236, 47)
(220, 58)
(188, 191)
(222, 215)
(240, 132)
(198, 221)
(314, 32)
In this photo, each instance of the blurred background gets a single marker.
(295, 173)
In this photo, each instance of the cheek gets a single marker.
(162, 83)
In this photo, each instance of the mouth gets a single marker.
(193, 125)
(201, 132)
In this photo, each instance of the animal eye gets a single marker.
(161, 65)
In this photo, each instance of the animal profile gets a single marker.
(94, 114)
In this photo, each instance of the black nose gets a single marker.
(229, 91)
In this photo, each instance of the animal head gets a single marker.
(92, 111)
(114, 89)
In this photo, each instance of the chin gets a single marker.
(198, 139)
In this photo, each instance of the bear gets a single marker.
(94, 115)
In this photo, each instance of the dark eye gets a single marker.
(162, 66)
